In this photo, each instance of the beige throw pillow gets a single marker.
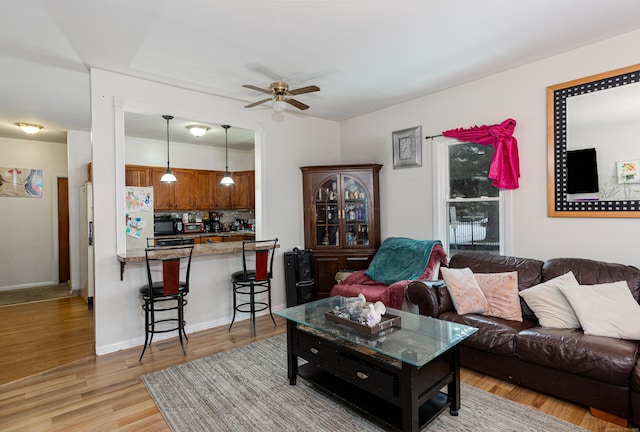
(501, 292)
(607, 309)
(464, 291)
(549, 304)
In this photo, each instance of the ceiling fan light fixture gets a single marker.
(29, 128)
(197, 130)
(279, 105)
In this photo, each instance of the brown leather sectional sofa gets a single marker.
(595, 371)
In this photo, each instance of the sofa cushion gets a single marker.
(606, 309)
(635, 378)
(529, 270)
(590, 272)
(464, 291)
(600, 358)
(494, 335)
(501, 292)
(549, 304)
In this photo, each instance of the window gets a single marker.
(469, 213)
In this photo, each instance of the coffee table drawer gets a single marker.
(315, 351)
(368, 377)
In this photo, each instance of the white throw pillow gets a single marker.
(605, 309)
(549, 304)
(464, 291)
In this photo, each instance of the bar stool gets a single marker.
(159, 295)
(251, 282)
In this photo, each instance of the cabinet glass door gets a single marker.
(355, 202)
(327, 214)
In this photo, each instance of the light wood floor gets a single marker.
(49, 381)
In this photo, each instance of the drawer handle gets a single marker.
(313, 350)
(362, 375)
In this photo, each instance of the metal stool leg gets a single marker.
(252, 300)
(181, 321)
(269, 298)
(145, 306)
(234, 307)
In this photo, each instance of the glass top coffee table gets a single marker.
(396, 375)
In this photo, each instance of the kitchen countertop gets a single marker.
(204, 249)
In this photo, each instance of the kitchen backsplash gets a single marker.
(228, 216)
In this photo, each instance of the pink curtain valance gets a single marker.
(505, 165)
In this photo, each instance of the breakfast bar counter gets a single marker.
(203, 249)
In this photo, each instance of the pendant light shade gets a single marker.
(226, 180)
(168, 176)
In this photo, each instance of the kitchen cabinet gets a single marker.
(205, 190)
(205, 239)
(341, 219)
(238, 196)
(137, 175)
(241, 193)
(222, 193)
(174, 196)
(194, 189)
(240, 237)
(162, 192)
(185, 189)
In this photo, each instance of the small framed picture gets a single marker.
(628, 171)
(407, 147)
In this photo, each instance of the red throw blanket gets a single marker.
(391, 295)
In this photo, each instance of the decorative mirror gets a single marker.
(593, 145)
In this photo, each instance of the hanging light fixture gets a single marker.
(226, 180)
(168, 176)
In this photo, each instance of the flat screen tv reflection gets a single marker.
(582, 171)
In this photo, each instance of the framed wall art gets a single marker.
(20, 182)
(407, 147)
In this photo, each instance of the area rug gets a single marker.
(246, 389)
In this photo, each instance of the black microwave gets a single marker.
(163, 226)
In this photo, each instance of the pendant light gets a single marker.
(168, 176)
(226, 180)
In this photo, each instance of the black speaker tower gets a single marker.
(298, 276)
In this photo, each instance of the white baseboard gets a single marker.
(137, 342)
(25, 286)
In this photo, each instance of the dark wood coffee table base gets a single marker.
(395, 393)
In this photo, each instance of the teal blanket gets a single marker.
(399, 259)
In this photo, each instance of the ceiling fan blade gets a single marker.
(296, 104)
(252, 87)
(261, 69)
(308, 89)
(258, 103)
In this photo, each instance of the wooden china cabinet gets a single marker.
(341, 219)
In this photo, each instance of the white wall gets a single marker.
(28, 226)
(78, 156)
(184, 155)
(284, 144)
(406, 194)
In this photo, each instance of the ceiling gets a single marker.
(365, 55)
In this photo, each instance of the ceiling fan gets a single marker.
(280, 93)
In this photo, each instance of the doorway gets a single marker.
(64, 267)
